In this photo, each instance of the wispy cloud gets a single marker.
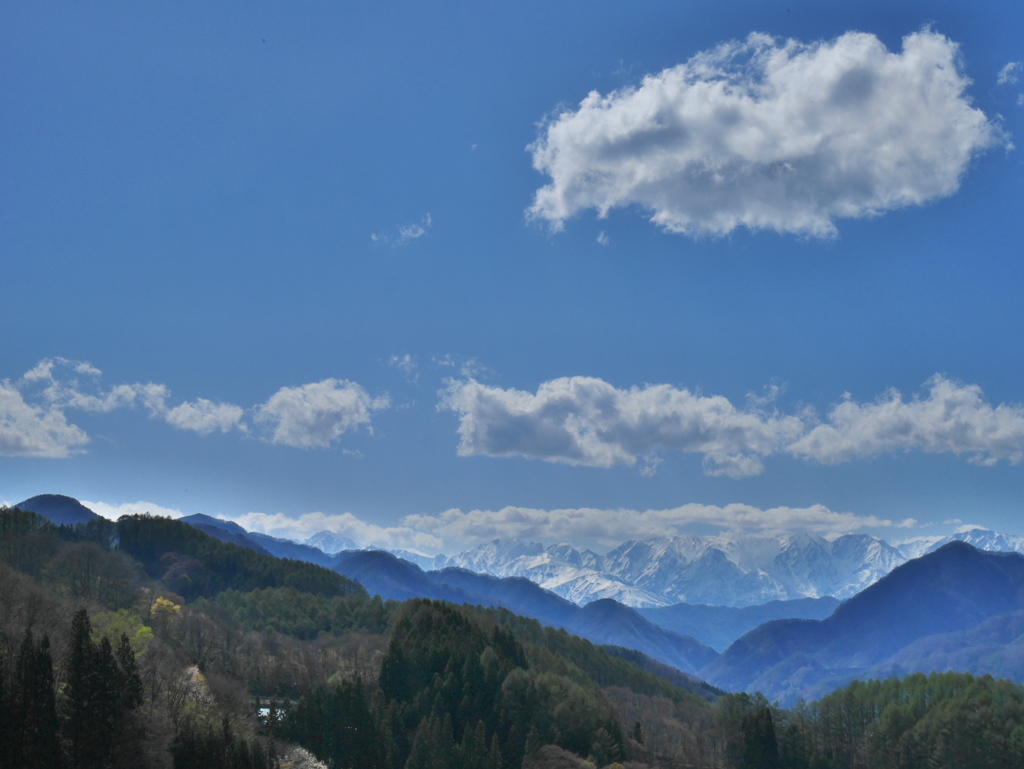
(586, 421)
(1009, 74)
(769, 135)
(406, 233)
(406, 364)
(467, 367)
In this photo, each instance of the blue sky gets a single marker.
(430, 273)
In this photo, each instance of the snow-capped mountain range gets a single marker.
(330, 542)
(717, 570)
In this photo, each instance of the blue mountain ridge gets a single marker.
(58, 509)
(602, 622)
(719, 626)
(950, 591)
(955, 608)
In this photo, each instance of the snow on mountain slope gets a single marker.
(716, 570)
(329, 542)
(561, 568)
(722, 570)
(981, 538)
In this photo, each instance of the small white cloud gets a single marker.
(1009, 74)
(649, 465)
(769, 135)
(314, 415)
(970, 527)
(204, 416)
(406, 364)
(84, 367)
(406, 232)
(767, 397)
(34, 431)
(467, 367)
(603, 239)
(586, 421)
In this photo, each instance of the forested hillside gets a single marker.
(147, 643)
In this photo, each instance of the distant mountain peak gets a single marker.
(723, 570)
(330, 542)
(58, 509)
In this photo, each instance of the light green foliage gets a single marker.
(113, 624)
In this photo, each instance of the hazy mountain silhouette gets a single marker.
(949, 591)
(719, 626)
(58, 509)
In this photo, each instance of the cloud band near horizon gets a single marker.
(456, 529)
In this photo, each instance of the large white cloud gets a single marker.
(769, 135)
(952, 418)
(586, 421)
(34, 431)
(313, 415)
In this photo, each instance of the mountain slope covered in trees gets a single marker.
(357, 681)
(932, 600)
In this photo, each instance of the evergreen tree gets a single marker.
(425, 748)
(43, 711)
(34, 727)
(760, 748)
(494, 758)
(84, 751)
(101, 692)
(6, 712)
(131, 681)
(473, 749)
(336, 724)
